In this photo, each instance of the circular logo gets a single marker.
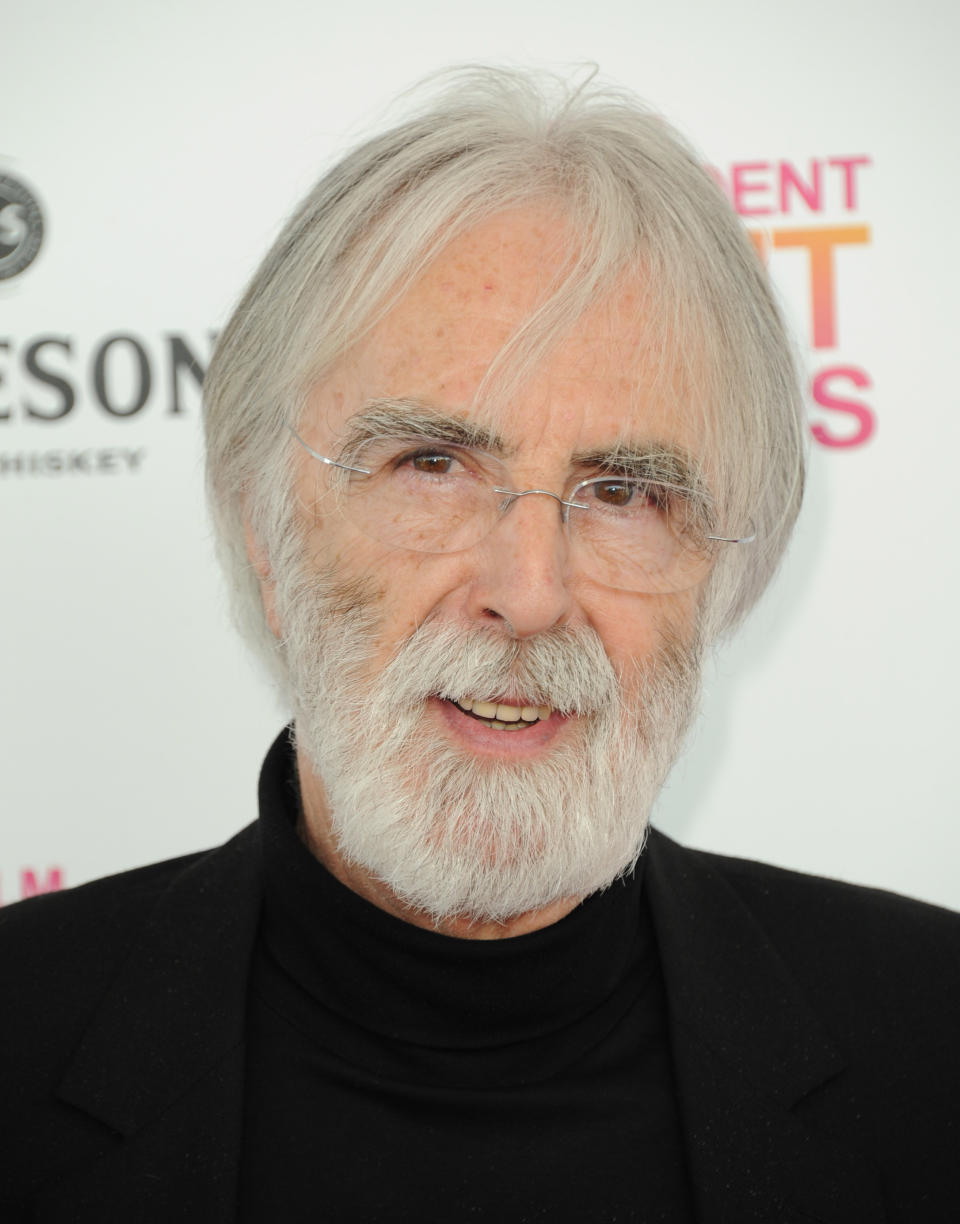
(21, 227)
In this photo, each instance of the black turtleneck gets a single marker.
(397, 1074)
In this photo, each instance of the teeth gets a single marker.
(505, 717)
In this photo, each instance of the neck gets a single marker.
(316, 832)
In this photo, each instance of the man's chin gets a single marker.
(451, 832)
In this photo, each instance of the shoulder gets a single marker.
(804, 908)
(133, 965)
(101, 910)
(788, 897)
(60, 952)
(872, 960)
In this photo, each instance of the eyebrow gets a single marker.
(657, 462)
(408, 418)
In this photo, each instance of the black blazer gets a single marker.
(814, 1029)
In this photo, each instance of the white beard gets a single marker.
(450, 834)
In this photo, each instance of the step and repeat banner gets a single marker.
(148, 155)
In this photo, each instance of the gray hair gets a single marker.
(638, 201)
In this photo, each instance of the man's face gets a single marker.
(435, 347)
(521, 587)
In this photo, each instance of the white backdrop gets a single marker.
(165, 141)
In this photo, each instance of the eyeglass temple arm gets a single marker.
(324, 459)
(747, 539)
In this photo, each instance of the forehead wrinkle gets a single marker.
(417, 418)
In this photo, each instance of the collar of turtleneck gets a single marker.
(414, 1004)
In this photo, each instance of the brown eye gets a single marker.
(615, 492)
(432, 465)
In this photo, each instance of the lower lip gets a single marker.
(484, 740)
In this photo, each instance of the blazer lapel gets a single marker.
(759, 1080)
(161, 1064)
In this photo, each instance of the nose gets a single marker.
(522, 568)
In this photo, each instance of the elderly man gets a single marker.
(504, 432)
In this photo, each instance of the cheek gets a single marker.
(404, 588)
(634, 628)
(417, 587)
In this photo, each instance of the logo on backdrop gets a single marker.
(121, 379)
(29, 882)
(56, 377)
(21, 227)
(811, 212)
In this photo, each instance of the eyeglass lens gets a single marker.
(433, 497)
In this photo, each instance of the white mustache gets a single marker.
(566, 668)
